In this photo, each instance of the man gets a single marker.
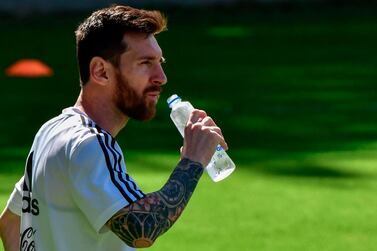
(75, 193)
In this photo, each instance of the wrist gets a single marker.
(192, 168)
(187, 161)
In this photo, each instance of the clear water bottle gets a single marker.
(220, 166)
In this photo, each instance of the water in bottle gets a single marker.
(220, 166)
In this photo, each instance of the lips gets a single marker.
(153, 89)
(153, 93)
(153, 96)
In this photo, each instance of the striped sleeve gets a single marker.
(99, 182)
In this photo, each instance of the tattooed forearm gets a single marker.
(139, 224)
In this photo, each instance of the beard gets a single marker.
(130, 103)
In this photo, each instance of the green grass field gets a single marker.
(294, 92)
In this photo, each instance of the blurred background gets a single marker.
(291, 84)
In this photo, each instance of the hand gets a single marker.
(202, 136)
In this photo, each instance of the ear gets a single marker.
(99, 70)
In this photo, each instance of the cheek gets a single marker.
(139, 82)
(138, 77)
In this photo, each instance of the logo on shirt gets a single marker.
(27, 240)
(29, 205)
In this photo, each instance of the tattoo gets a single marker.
(140, 223)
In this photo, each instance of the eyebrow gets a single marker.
(162, 59)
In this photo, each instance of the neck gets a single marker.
(102, 112)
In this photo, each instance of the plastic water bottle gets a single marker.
(220, 166)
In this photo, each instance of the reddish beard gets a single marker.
(130, 103)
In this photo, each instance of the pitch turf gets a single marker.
(293, 90)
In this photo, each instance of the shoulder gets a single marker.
(89, 140)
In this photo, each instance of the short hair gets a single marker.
(101, 34)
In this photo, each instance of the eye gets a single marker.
(146, 62)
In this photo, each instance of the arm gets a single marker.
(10, 230)
(140, 223)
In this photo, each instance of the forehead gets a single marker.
(141, 45)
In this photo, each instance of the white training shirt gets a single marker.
(75, 180)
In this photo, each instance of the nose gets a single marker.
(159, 76)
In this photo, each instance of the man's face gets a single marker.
(139, 77)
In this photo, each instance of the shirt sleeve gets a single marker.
(15, 200)
(99, 182)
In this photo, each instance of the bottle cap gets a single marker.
(173, 99)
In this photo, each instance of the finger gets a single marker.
(211, 129)
(196, 115)
(217, 130)
(223, 144)
(208, 121)
(219, 136)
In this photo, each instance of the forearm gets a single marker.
(10, 230)
(139, 224)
